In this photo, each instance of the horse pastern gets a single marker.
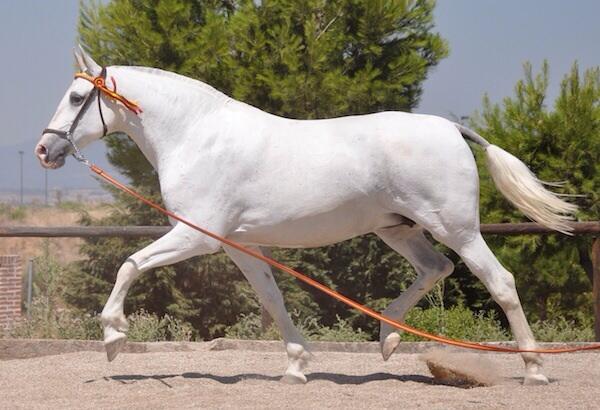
(535, 380)
(113, 344)
(293, 378)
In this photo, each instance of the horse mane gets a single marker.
(207, 89)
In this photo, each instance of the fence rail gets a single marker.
(528, 228)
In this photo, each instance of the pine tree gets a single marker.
(301, 59)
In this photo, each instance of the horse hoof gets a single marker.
(389, 345)
(293, 378)
(535, 380)
(113, 344)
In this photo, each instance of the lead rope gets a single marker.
(315, 284)
(101, 86)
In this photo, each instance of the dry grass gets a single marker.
(64, 250)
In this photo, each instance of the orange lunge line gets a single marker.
(333, 293)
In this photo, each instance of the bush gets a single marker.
(13, 213)
(560, 329)
(250, 327)
(47, 323)
(457, 322)
(48, 318)
(148, 327)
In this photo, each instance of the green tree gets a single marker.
(561, 143)
(301, 59)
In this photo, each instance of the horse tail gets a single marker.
(522, 188)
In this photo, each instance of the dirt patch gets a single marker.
(249, 379)
(461, 369)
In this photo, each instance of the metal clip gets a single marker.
(77, 154)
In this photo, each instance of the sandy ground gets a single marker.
(246, 379)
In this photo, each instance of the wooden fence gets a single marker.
(579, 228)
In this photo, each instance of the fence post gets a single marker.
(10, 290)
(596, 293)
(29, 286)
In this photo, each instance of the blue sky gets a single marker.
(489, 41)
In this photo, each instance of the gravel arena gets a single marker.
(245, 374)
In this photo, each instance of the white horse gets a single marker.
(267, 181)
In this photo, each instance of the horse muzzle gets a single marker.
(52, 153)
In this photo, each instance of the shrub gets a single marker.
(46, 322)
(250, 327)
(560, 329)
(148, 327)
(13, 213)
(457, 322)
(47, 318)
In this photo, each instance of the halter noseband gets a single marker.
(100, 87)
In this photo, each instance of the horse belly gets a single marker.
(345, 222)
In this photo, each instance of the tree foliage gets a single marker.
(298, 58)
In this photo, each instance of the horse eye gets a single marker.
(75, 98)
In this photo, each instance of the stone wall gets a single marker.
(10, 289)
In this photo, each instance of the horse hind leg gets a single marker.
(501, 284)
(430, 265)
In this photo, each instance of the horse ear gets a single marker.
(87, 63)
(79, 59)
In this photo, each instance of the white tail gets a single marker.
(524, 190)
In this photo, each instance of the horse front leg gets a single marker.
(179, 244)
(259, 274)
(430, 265)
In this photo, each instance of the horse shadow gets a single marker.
(337, 378)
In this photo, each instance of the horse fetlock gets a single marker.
(533, 361)
(113, 342)
(116, 321)
(298, 354)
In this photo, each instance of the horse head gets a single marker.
(76, 120)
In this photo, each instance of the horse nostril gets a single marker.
(41, 150)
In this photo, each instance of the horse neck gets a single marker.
(171, 106)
